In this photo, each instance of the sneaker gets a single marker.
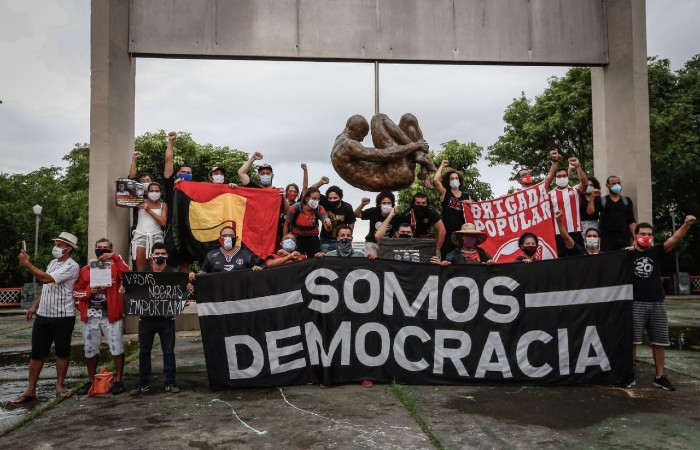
(367, 383)
(628, 382)
(118, 388)
(663, 383)
(172, 388)
(84, 389)
(140, 390)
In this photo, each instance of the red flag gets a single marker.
(505, 219)
(206, 208)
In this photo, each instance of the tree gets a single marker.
(462, 157)
(560, 118)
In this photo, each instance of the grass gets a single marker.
(409, 402)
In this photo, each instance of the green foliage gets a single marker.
(462, 157)
(560, 118)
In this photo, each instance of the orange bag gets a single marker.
(103, 382)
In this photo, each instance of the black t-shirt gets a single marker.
(646, 274)
(374, 215)
(168, 189)
(343, 215)
(452, 211)
(615, 218)
(217, 261)
(423, 220)
(583, 210)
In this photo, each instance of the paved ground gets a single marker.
(306, 417)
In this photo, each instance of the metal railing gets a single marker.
(11, 297)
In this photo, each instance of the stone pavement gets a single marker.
(306, 417)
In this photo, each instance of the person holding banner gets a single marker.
(467, 240)
(164, 327)
(344, 248)
(528, 243)
(385, 205)
(230, 256)
(592, 241)
(102, 312)
(648, 309)
(421, 216)
(287, 254)
(449, 187)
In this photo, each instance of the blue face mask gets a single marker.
(615, 188)
(289, 245)
(185, 176)
(266, 180)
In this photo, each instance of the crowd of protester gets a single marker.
(313, 224)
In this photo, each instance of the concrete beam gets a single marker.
(112, 82)
(621, 106)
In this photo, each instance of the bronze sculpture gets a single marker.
(391, 164)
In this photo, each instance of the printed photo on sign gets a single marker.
(129, 193)
(100, 273)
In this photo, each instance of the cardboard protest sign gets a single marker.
(129, 193)
(154, 294)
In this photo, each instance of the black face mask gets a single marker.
(334, 204)
(420, 209)
(405, 236)
(160, 259)
(101, 251)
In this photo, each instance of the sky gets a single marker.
(289, 111)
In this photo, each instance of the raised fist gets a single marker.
(365, 200)
(573, 162)
(325, 180)
(172, 135)
(303, 167)
(690, 219)
(444, 163)
(554, 155)
(137, 154)
(257, 156)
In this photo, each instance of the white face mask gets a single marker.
(591, 242)
(217, 179)
(563, 182)
(155, 196)
(454, 184)
(386, 209)
(57, 252)
(313, 203)
(589, 189)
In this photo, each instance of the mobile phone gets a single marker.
(24, 245)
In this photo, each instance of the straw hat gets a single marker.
(470, 229)
(68, 238)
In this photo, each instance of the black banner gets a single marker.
(154, 294)
(340, 320)
(407, 250)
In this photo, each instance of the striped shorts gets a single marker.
(652, 317)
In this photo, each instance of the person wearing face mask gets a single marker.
(286, 254)
(568, 200)
(339, 212)
(152, 218)
(303, 219)
(102, 312)
(230, 256)
(592, 242)
(617, 222)
(589, 220)
(376, 215)
(525, 179)
(163, 326)
(648, 309)
(422, 217)
(468, 251)
(344, 248)
(55, 314)
(449, 186)
(528, 243)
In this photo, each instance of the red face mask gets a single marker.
(526, 179)
(645, 241)
(291, 196)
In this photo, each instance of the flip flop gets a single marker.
(65, 393)
(23, 399)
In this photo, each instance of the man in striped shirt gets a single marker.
(55, 314)
(567, 200)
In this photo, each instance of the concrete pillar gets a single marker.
(621, 105)
(111, 119)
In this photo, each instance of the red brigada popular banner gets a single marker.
(505, 219)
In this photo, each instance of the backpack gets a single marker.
(603, 201)
(102, 383)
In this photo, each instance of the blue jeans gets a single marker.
(328, 245)
(165, 328)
